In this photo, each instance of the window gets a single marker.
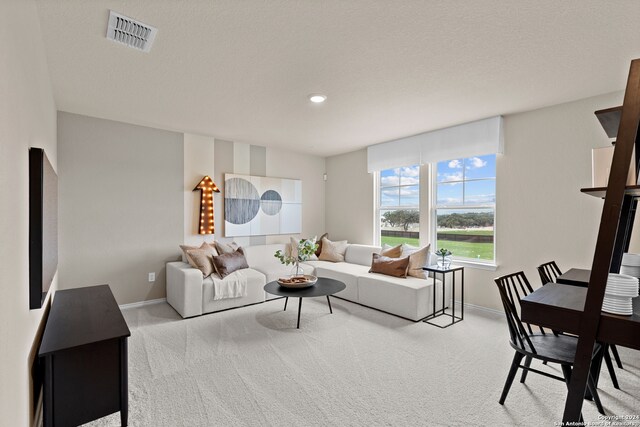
(399, 205)
(465, 206)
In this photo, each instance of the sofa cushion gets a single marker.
(410, 297)
(360, 254)
(333, 251)
(396, 267)
(344, 272)
(255, 291)
(226, 264)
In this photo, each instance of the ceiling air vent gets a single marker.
(130, 32)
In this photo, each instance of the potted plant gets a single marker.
(444, 258)
(303, 252)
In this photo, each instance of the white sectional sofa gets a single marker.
(410, 298)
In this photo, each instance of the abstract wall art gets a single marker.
(257, 205)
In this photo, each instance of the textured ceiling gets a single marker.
(242, 69)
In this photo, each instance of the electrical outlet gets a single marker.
(152, 277)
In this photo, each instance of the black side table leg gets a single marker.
(299, 310)
(329, 302)
(286, 300)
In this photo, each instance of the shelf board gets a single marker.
(631, 190)
(610, 120)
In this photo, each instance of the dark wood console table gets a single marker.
(84, 346)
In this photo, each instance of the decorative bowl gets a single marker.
(298, 282)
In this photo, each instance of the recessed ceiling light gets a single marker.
(317, 98)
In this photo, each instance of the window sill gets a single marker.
(473, 264)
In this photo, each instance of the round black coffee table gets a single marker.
(323, 287)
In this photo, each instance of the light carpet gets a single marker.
(358, 367)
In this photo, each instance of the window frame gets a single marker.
(434, 207)
(378, 200)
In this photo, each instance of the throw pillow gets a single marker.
(201, 259)
(392, 251)
(333, 251)
(319, 250)
(226, 248)
(417, 260)
(396, 267)
(226, 264)
(408, 249)
(205, 246)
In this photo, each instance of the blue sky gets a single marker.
(452, 193)
(408, 178)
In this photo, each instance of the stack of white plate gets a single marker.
(630, 265)
(620, 290)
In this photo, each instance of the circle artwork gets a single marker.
(241, 202)
(271, 202)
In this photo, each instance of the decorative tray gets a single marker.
(298, 282)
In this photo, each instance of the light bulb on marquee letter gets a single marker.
(207, 187)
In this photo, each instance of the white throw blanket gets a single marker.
(233, 286)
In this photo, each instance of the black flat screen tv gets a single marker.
(43, 226)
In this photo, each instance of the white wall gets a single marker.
(121, 205)
(310, 169)
(541, 214)
(198, 162)
(27, 118)
(349, 198)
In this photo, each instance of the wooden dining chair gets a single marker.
(549, 272)
(551, 348)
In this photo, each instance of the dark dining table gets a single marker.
(559, 307)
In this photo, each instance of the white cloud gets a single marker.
(476, 162)
(389, 180)
(455, 164)
(412, 171)
(481, 198)
(450, 176)
(408, 191)
(410, 181)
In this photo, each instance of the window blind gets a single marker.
(465, 140)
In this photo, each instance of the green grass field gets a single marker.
(483, 251)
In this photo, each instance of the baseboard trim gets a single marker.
(481, 308)
(143, 303)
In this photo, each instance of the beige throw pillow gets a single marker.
(333, 251)
(201, 259)
(392, 251)
(417, 260)
(204, 245)
(226, 248)
(319, 250)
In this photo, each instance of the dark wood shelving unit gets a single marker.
(616, 223)
(601, 192)
(610, 120)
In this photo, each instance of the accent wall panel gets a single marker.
(257, 205)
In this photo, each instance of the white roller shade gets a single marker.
(394, 154)
(466, 140)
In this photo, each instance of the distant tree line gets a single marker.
(403, 218)
(466, 220)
